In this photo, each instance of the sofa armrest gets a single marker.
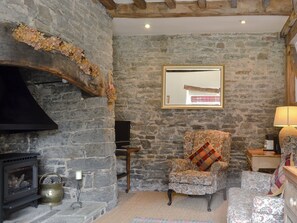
(218, 166)
(179, 165)
(267, 209)
(255, 181)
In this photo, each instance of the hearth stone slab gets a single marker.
(89, 212)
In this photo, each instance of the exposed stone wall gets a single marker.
(254, 86)
(85, 138)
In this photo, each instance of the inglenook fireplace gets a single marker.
(19, 182)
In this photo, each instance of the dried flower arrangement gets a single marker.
(110, 91)
(39, 41)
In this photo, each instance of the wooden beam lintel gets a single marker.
(290, 28)
(170, 4)
(233, 3)
(141, 4)
(265, 3)
(201, 4)
(192, 9)
(108, 4)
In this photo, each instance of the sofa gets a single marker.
(251, 203)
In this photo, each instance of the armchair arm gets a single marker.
(267, 209)
(180, 165)
(256, 181)
(218, 166)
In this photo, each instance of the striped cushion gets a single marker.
(205, 156)
(278, 178)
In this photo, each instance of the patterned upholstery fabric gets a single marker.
(192, 177)
(255, 181)
(185, 176)
(250, 203)
(239, 210)
(267, 209)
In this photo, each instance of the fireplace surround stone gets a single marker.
(85, 138)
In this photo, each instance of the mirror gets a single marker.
(189, 87)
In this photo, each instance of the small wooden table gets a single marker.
(126, 151)
(260, 159)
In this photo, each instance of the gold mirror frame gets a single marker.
(193, 87)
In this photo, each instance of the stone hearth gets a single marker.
(62, 213)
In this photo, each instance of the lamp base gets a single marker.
(284, 132)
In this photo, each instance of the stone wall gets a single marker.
(254, 86)
(85, 138)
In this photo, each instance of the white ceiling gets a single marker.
(198, 25)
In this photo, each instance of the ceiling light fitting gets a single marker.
(242, 21)
(147, 26)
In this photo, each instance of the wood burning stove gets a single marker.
(19, 182)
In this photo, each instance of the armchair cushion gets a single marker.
(191, 177)
(278, 177)
(205, 156)
(255, 181)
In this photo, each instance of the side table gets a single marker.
(260, 159)
(126, 151)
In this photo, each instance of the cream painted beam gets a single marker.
(192, 9)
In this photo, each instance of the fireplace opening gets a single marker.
(19, 182)
(19, 112)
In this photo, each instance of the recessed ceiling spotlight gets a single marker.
(147, 26)
(242, 21)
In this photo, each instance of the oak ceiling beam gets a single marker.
(108, 4)
(295, 5)
(265, 3)
(290, 37)
(202, 4)
(233, 3)
(141, 4)
(289, 24)
(192, 9)
(170, 4)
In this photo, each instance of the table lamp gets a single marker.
(286, 117)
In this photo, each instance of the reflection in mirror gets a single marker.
(193, 87)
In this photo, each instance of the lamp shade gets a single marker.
(285, 116)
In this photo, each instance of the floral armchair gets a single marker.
(186, 178)
(250, 203)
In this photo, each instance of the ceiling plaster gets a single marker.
(198, 25)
